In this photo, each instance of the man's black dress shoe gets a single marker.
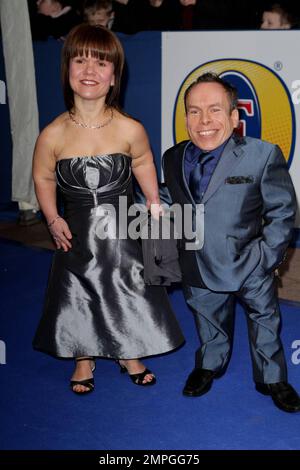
(198, 382)
(283, 395)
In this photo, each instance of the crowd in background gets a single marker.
(54, 18)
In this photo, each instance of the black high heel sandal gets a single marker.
(137, 379)
(88, 383)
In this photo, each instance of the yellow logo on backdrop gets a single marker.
(264, 101)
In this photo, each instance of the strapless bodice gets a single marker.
(97, 303)
(88, 181)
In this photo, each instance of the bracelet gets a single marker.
(54, 220)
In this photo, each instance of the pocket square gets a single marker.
(239, 180)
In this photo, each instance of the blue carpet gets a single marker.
(38, 411)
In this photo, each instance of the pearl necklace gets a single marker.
(86, 126)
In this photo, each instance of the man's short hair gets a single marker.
(209, 77)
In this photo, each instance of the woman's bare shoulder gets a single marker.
(50, 138)
(53, 131)
(128, 124)
(136, 136)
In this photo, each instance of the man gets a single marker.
(249, 210)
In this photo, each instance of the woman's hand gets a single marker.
(61, 234)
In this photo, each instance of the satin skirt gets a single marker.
(97, 303)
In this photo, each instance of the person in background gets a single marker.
(188, 14)
(277, 17)
(99, 12)
(23, 108)
(53, 18)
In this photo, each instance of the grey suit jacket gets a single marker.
(249, 211)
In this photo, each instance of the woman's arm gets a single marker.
(45, 187)
(142, 164)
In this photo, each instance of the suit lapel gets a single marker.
(173, 164)
(179, 169)
(230, 157)
(184, 182)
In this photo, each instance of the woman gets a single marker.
(97, 304)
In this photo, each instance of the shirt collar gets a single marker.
(194, 152)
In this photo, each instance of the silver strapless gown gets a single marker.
(97, 303)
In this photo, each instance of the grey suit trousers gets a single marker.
(214, 314)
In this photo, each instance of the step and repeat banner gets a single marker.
(265, 68)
